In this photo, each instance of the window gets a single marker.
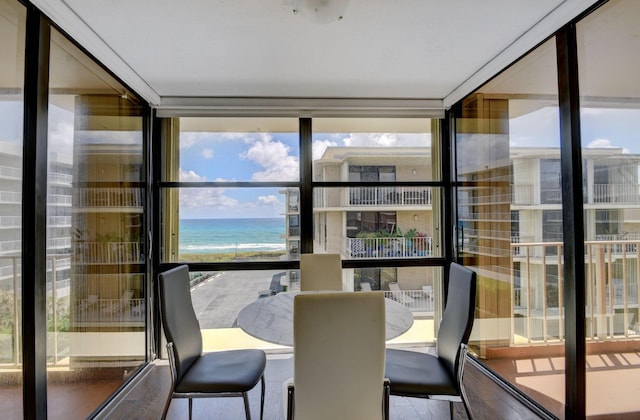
(12, 44)
(510, 211)
(96, 256)
(235, 186)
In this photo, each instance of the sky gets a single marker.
(275, 156)
(257, 157)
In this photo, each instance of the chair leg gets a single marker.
(247, 410)
(166, 406)
(262, 397)
(190, 408)
(386, 391)
(451, 410)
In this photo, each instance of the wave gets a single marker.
(231, 247)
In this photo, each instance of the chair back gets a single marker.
(179, 319)
(339, 355)
(457, 319)
(320, 272)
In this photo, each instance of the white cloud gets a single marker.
(190, 176)
(207, 153)
(209, 198)
(188, 139)
(268, 200)
(319, 146)
(387, 140)
(273, 156)
(604, 144)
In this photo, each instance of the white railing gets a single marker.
(10, 246)
(11, 197)
(109, 197)
(9, 172)
(388, 247)
(414, 300)
(10, 222)
(108, 311)
(58, 178)
(384, 196)
(612, 283)
(59, 243)
(616, 193)
(59, 221)
(108, 252)
(59, 200)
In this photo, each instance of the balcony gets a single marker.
(375, 197)
(612, 285)
(359, 248)
(524, 194)
(381, 196)
(108, 197)
(108, 252)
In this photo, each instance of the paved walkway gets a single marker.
(218, 300)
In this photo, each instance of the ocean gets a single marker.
(217, 236)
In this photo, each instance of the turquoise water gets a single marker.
(207, 236)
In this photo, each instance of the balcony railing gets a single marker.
(388, 247)
(523, 194)
(108, 197)
(10, 173)
(108, 252)
(381, 196)
(612, 284)
(414, 300)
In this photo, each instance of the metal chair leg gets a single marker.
(262, 397)
(451, 410)
(190, 408)
(247, 410)
(166, 406)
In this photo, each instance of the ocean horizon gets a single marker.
(219, 236)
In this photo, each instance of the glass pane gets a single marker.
(510, 224)
(374, 150)
(235, 149)
(419, 290)
(608, 46)
(96, 258)
(376, 222)
(12, 35)
(230, 224)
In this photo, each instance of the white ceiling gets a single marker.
(383, 49)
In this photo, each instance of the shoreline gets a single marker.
(231, 256)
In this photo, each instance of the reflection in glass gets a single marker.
(510, 223)
(95, 254)
(608, 45)
(12, 36)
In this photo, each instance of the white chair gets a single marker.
(365, 287)
(320, 272)
(339, 357)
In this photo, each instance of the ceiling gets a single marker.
(174, 52)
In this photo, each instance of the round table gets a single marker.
(271, 318)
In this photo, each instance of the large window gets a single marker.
(12, 38)
(96, 259)
(609, 73)
(234, 192)
(510, 223)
